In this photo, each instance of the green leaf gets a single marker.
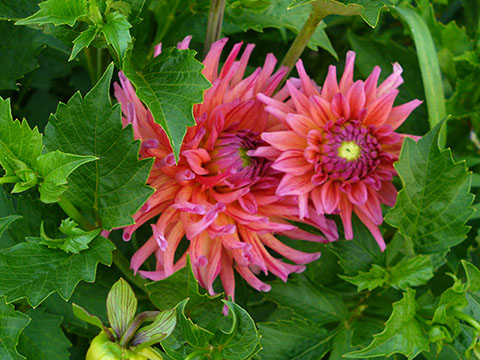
(402, 335)
(83, 40)
(112, 188)
(17, 140)
(167, 293)
(84, 315)
(434, 202)
(136, 7)
(296, 339)
(117, 34)
(411, 272)
(473, 276)
(11, 325)
(20, 47)
(277, 16)
(57, 12)
(159, 329)
(75, 239)
(313, 302)
(428, 60)
(357, 254)
(14, 10)
(32, 271)
(55, 167)
(368, 9)
(6, 221)
(242, 339)
(169, 85)
(121, 307)
(43, 338)
(370, 280)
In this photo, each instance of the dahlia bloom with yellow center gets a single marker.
(218, 196)
(338, 144)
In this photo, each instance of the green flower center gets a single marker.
(246, 160)
(349, 150)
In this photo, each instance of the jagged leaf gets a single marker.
(116, 33)
(435, 201)
(43, 338)
(83, 40)
(55, 167)
(402, 335)
(159, 329)
(32, 271)
(411, 272)
(370, 280)
(57, 12)
(112, 188)
(74, 241)
(11, 325)
(169, 85)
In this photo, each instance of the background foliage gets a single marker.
(419, 299)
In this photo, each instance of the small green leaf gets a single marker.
(84, 40)
(43, 338)
(19, 144)
(435, 201)
(195, 335)
(473, 276)
(169, 85)
(402, 335)
(11, 325)
(159, 329)
(370, 280)
(117, 34)
(296, 339)
(453, 299)
(411, 272)
(55, 167)
(75, 239)
(121, 307)
(32, 271)
(242, 339)
(112, 188)
(84, 315)
(57, 12)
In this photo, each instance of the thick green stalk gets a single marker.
(303, 37)
(9, 179)
(74, 214)
(215, 20)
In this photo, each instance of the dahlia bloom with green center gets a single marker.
(218, 196)
(338, 144)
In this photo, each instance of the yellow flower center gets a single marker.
(349, 150)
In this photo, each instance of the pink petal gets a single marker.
(301, 124)
(400, 113)
(245, 272)
(371, 85)
(356, 99)
(330, 195)
(392, 82)
(284, 140)
(347, 78)
(182, 45)
(294, 185)
(298, 257)
(330, 87)
(375, 231)
(292, 162)
(379, 110)
(388, 194)
(308, 85)
(340, 106)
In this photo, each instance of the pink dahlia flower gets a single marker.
(218, 196)
(338, 144)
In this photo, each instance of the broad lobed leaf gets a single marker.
(11, 325)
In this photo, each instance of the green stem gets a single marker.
(122, 263)
(139, 320)
(99, 64)
(9, 179)
(303, 37)
(90, 67)
(215, 20)
(468, 319)
(74, 214)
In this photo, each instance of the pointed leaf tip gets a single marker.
(121, 307)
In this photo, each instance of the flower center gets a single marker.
(231, 155)
(344, 150)
(349, 150)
